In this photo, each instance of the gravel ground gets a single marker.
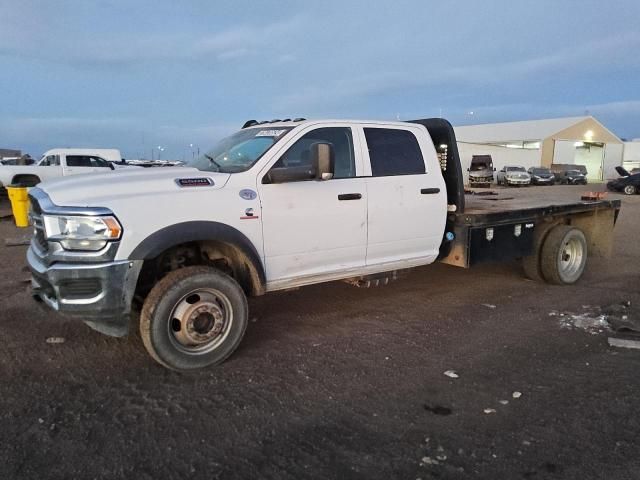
(337, 382)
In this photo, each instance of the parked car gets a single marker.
(481, 171)
(628, 183)
(573, 177)
(512, 175)
(61, 162)
(542, 176)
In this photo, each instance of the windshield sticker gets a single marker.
(194, 182)
(270, 133)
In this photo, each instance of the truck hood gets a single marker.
(95, 190)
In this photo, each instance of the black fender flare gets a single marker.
(20, 177)
(202, 231)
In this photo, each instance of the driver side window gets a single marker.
(299, 154)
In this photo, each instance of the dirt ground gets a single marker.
(337, 382)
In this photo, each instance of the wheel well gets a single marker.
(226, 257)
(28, 180)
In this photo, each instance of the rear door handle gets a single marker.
(349, 196)
(429, 191)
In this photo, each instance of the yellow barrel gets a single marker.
(19, 204)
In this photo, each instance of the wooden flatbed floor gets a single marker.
(519, 204)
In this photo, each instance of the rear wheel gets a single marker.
(193, 318)
(629, 190)
(531, 263)
(564, 255)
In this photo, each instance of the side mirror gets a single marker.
(288, 174)
(494, 169)
(111, 166)
(468, 169)
(322, 160)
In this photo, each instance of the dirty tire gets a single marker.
(629, 190)
(174, 291)
(564, 255)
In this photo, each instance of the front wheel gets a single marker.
(193, 318)
(629, 190)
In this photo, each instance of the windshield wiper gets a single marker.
(212, 160)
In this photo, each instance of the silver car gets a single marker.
(512, 175)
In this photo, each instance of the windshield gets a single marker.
(240, 151)
(515, 169)
(540, 171)
(574, 172)
(479, 166)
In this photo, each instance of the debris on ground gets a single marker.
(489, 410)
(14, 242)
(516, 394)
(504, 402)
(55, 340)
(593, 196)
(437, 410)
(624, 343)
(451, 374)
(596, 319)
(488, 305)
(429, 461)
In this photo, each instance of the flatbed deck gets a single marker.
(510, 205)
(502, 226)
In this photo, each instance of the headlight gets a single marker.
(81, 233)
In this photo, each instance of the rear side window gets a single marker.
(393, 152)
(86, 161)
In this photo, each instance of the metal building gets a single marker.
(573, 140)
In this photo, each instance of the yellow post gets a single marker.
(19, 205)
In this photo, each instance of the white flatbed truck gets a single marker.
(279, 205)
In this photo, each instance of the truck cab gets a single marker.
(274, 206)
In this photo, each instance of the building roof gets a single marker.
(529, 130)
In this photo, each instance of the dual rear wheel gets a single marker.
(559, 255)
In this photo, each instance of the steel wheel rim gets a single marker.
(629, 189)
(570, 258)
(200, 321)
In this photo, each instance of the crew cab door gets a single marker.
(315, 227)
(77, 164)
(407, 203)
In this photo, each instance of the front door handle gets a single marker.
(429, 191)
(349, 196)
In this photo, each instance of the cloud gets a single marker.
(132, 48)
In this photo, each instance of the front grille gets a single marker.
(38, 226)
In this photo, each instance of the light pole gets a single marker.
(193, 152)
(160, 150)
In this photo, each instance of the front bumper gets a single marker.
(518, 181)
(98, 293)
(614, 186)
(543, 181)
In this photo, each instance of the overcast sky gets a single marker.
(138, 74)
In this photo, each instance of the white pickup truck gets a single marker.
(61, 162)
(279, 205)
